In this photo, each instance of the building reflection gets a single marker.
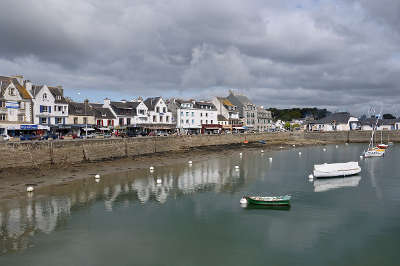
(25, 217)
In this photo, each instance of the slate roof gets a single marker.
(151, 103)
(103, 113)
(222, 118)
(199, 104)
(125, 108)
(58, 94)
(338, 118)
(6, 81)
(371, 122)
(75, 108)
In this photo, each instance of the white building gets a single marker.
(228, 113)
(15, 106)
(196, 116)
(49, 105)
(342, 121)
(160, 118)
(127, 113)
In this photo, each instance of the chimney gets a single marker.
(86, 103)
(107, 102)
(61, 89)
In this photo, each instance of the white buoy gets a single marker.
(337, 146)
(29, 189)
(361, 156)
(240, 154)
(159, 181)
(299, 153)
(324, 149)
(347, 143)
(262, 151)
(237, 167)
(280, 147)
(243, 201)
(190, 162)
(97, 176)
(294, 145)
(270, 159)
(310, 177)
(97, 180)
(151, 168)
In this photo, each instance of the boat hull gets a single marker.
(279, 202)
(337, 173)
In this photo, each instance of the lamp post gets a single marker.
(84, 103)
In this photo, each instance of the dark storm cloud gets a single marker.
(342, 55)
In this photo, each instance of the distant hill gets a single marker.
(298, 113)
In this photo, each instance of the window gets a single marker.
(211, 122)
(158, 109)
(187, 113)
(3, 117)
(154, 118)
(44, 109)
(128, 121)
(206, 122)
(12, 92)
(192, 121)
(58, 120)
(201, 122)
(164, 109)
(2, 104)
(192, 114)
(121, 121)
(181, 121)
(141, 112)
(109, 122)
(75, 120)
(161, 119)
(21, 105)
(167, 119)
(44, 96)
(65, 108)
(206, 114)
(43, 120)
(85, 120)
(187, 121)
(59, 108)
(181, 113)
(201, 114)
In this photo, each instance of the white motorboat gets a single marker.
(336, 169)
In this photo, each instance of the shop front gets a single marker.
(211, 129)
(20, 130)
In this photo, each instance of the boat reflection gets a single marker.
(264, 207)
(322, 185)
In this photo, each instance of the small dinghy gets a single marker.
(336, 169)
(269, 201)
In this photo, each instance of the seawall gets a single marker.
(60, 152)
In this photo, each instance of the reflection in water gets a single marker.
(42, 215)
(321, 185)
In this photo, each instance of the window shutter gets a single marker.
(41, 108)
(63, 120)
(49, 109)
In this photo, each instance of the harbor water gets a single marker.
(189, 214)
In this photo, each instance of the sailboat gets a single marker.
(372, 150)
(382, 145)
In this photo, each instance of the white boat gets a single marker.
(336, 169)
(374, 152)
(322, 185)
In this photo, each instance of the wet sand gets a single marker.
(13, 181)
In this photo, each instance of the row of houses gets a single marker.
(344, 121)
(27, 107)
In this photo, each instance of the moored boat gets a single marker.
(382, 146)
(374, 152)
(336, 169)
(269, 201)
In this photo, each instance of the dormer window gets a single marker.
(44, 96)
(12, 91)
(58, 97)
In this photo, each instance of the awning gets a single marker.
(238, 127)
(88, 129)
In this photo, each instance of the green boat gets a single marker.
(269, 201)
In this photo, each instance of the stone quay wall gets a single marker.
(59, 152)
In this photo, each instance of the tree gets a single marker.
(388, 116)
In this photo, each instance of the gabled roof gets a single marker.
(75, 108)
(222, 118)
(23, 92)
(102, 113)
(58, 94)
(338, 118)
(151, 102)
(125, 108)
(201, 103)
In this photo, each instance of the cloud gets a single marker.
(338, 54)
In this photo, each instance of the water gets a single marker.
(194, 216)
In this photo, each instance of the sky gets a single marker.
(343, 55)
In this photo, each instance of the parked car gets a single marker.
(4, 137)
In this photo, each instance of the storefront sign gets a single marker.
(12, 105)
(29, 127)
